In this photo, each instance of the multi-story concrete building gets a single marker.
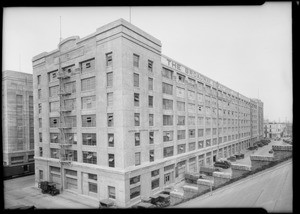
(17, 123)
(135, 120)
(274, 129)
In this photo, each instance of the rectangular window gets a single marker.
(54, 106)
(191, 95)
(167, 136)
(53, 91)
(200, 144)
(167, 104)
(135, 192)
(200, 121)
(41, 151)
(180, 92)
(89, 139)
(136, 99)
(88, 120)
(150, 101)
(154, 173)
(208, 132)
(150, 65)
(89, 157)
(110, 138)
(192, 146)
(40, 108)
(39, 93)
(52, 76)
(54, 153)
(17, 159)
(93, 187)
(109, 59)
(70, 104)
(155, 183)
(71, 138)
(168, 120)
(39, 79)
(70, 87)
(88, 102)
(200, 97)
(87, 65)
(135, 180)
(167, 73)
(40, 123)
(111, 160)
(180, 106)
(137, 139)
(109, 79)
(136, 59)
(151, 155)
(191, 120)
(110, 119)
(180, 134)
(167, 88)
(151, 137)
(40, 137)
(136, 119)
(200, 109)
(110, 99)
(41, 175)
(191, 133)
(181, 120)
(180, 78)
(136, 80)
(215, 141)
(208, 143)
(168, 151)
(181, 149)
(151, 120)
(111, 192)
(53, 122)
(88, 84)
(150, 84)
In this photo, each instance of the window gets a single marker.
(192, 146)
(180, 92)
(207, 132)
(89, 157)
(200, 121)
(110, 119)
(151, 120)
(41, 151)
(167, 136)
(71, 138)
(168, 120)
(150, 84)
(215, 141)
(136, 59)
(191, 133)
(136, 80)
(191, 95)
(136, 139)
(40, 108)
(53, 91)
(93, 187)
(41, 175)
(167, 73)
(40, 137)
(54, 153)
(136, 119)
(200, 109)
(52, 76)
(88, 120)
(136, 99)
(192, 82)
(88, 102)
(135, 192)
(111, 192)
(200, 97)
(167, 104)
(191, 120)
(71, 121)
(89, 139)
(88, 84)
(220, 140)
(39, 79)
(214, 131)
(17, 159)
(180, 134)
(53, 122)
(181, 78)
(70, 104)
(40, 123)
(181, 120)
(39, 93)
(151, 155)
(150, 65)
(167, 88)
(70, 87)
(154, 173)
(111, 160)
(110, 138)
(168, 151)
(150, 101)
(110, 99)
(208, 143)
(151, 137)
(54, 106)
(109, 79)
(135, 180)
(181, 149)
(109, 59)
(155, 183)
(87, 65)
(200, 144)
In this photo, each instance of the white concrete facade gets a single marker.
(136, 59)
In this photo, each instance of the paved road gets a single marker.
(270, 189)
(21, 191)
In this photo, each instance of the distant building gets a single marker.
(118, 120)
(274, 129)
(289, 129)
(17, 122)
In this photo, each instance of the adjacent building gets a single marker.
(117, 119)
(17, 123)
(275, 130)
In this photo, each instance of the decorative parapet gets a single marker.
(261, 158)
(282, 148)
(225, 175)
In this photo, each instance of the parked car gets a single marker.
(271, 151)
(239, 156)
(232, 158)
(106, 203)
(223, 164)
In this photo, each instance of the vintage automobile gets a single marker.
(223, 164)
(160, 200)
(193, 177)
(106, 203)
(48, 187)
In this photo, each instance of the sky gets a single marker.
(246, 48)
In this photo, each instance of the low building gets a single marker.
(17, 123)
